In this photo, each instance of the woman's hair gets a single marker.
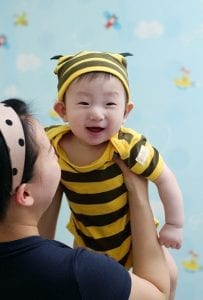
(31, 154)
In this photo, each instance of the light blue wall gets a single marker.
(166, 77)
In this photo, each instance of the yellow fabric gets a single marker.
(70, 67)
(97, 195)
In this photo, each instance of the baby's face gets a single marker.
(95, 108)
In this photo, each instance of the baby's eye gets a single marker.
(110, 103)
(83, 103)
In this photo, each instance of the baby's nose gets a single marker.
(96, 114)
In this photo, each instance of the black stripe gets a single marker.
(123, 260)
(106, 243)
(83, 65)
(96, 198)
(101, 220)
(152, 165)
(92, 176)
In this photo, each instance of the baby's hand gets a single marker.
(171, 236)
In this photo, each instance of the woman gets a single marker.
(47, 269)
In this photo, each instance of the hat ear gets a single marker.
(124, 61)
(126, 54)
(56, 57)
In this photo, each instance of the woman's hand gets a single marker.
(134, 183)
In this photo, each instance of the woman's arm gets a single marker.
(150, 277)
(47, 223)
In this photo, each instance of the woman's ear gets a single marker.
(23, 196)
(60, 108)
(128, 108)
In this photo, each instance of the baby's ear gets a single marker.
(60, 108)
(129, 107)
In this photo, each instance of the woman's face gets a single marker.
(47, 172)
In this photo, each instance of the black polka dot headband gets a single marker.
(13, 134)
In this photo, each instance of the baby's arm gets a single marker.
(171, 234)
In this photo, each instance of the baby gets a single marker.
(94, 102)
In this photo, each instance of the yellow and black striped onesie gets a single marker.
(97, 195)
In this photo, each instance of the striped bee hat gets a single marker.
(70, 67)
